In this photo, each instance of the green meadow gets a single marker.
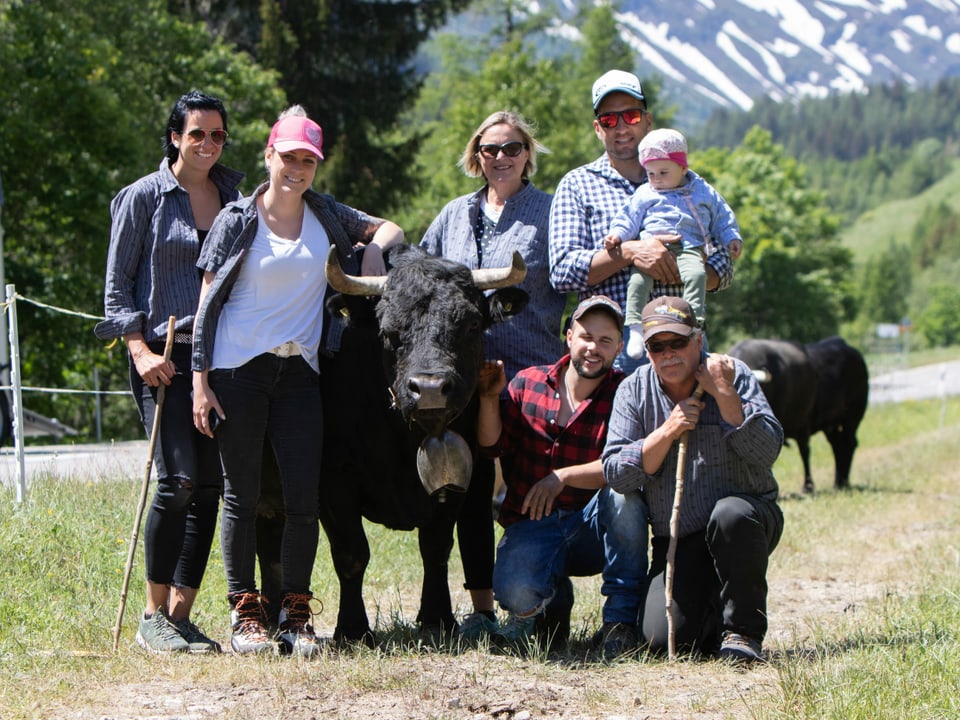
(864, 611)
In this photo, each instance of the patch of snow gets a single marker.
(901, 41)
(851, 53)
(847, 80)
(773, 69)
(918, 24)
(894, 68)
(783, 48)
(795, 19)
(949, 6)
(686, 54)
(834, 13)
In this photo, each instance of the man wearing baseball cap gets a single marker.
(588, 198)
(557, 515)
(729, 521)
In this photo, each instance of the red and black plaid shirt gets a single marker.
(532, 445)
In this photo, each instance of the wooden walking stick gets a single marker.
(154, 431)
(674, 537)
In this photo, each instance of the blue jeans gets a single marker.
(179, 527)
(278, 398)
(608, 536)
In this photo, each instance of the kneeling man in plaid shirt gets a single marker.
(558, 514)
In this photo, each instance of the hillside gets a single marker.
(894, 220)
(728, 53)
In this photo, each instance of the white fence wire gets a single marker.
(16, 386)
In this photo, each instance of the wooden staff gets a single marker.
(154, 432)
(674, 537)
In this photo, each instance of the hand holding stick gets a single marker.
(674, 537)
(154, 432)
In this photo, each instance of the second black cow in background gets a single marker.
(821, 386)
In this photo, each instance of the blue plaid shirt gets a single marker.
(585, 203)
(531, 337)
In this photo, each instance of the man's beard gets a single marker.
(600, 372)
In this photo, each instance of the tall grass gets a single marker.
(881, 640)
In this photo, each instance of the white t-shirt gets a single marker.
(277, 297)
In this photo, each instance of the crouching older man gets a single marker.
(559, 519)
(729, 519)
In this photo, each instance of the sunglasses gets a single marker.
(510, 149)
(217, 137)
(658, 346)
(630, 117)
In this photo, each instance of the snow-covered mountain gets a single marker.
(728, 52)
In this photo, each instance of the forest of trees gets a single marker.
(861, 149)
(88, 85)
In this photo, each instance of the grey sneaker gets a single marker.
(158, 634)
(477, 626)
(295, 632)
(249, 636)
(515, 634)
(198, 642)
(740, 649)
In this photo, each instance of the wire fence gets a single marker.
(16, 388)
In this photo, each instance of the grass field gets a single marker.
(864, 615)
(873, 231)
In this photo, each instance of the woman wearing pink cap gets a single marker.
(258, 332)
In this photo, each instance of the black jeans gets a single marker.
(277, 398)
(720, 579)
(182, 519)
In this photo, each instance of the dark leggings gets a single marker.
(475, 535)
(181, 521)
(277, 398)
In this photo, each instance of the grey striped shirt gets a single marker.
(152, 261)
(722, 460)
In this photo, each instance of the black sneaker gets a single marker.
(740, 649)
(615, 640)
(199, 643)
(158, 634)
(553, 625)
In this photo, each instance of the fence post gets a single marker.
(97, 407)
(16, 386)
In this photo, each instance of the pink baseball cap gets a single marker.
(663, 144)
(295, 132)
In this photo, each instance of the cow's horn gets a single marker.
(351, 284)
(492, 278)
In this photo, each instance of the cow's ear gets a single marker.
(355, 310)
(506, 302)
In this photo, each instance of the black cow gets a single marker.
(400, 394)
(814, 387)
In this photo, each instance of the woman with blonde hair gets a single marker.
(483, 229)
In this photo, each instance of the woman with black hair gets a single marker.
(158, 226)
